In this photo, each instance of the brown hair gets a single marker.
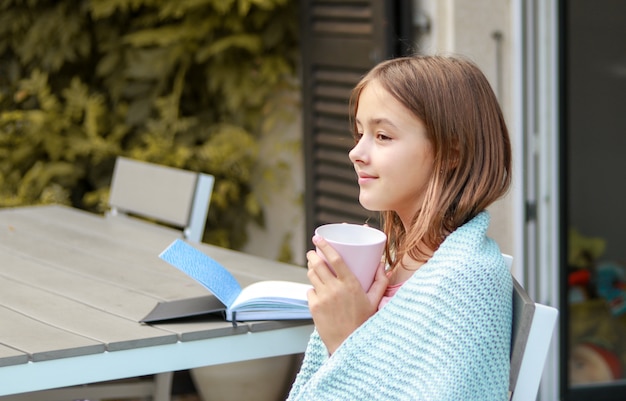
(471, 146)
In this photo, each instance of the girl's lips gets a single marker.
(365, 178)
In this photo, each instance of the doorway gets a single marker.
(593, 229)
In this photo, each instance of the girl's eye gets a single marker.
(382, 137)
(357, 136)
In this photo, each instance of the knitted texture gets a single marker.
(445, 335)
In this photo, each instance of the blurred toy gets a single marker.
(579, 283)
(610, 283)
(593, 363)
(582, 256)
(583, 250)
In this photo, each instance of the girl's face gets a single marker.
(393, 157)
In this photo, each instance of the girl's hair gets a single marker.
(470, 140)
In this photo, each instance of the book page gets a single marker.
(272, 294)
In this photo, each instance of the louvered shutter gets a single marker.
(341, 41)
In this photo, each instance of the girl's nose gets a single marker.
(356, 153)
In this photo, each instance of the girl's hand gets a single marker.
(338, 303)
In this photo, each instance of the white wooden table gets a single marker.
(74, 285)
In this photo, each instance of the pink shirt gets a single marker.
(389, 292)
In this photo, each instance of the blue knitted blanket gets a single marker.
(445, 335)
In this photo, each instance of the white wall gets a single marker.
(283, 199)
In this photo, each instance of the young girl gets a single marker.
(432, 152)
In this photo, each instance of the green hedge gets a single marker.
(188, 83)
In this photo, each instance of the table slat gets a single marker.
(202, 327)
(96, 293)
(145, 234)
(55, 310)
(104, 240)
(11, 356)
(153, 277)
(41, 341)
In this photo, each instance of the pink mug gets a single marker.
(361, 247)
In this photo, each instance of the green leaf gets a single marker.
(248, 42)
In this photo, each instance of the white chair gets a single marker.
(533, 325)
(168, 195)
(176, 197)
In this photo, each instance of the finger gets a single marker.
(319, 272)
(380, 284)
(315, 279)
(313, 265)
(311, 297)
(311, 258)
(333, 259)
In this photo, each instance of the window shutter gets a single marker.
(341, 41)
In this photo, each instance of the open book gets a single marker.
(263, 300)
